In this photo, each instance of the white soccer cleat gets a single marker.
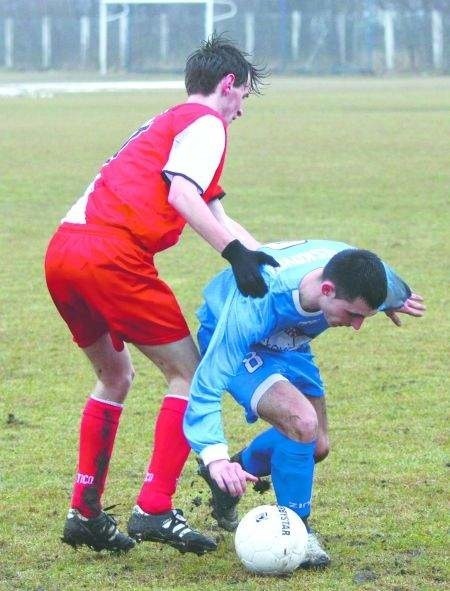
(316, 557)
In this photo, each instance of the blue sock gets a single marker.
(256, 457)
(293, 474)
(291, 464)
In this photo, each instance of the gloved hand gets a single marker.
(245, 264)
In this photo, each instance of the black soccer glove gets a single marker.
(245, 264)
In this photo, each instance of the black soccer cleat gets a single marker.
(224, 506)
(98, 533)
(168, 528)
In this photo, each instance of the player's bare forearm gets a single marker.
(183, 197)
(233, 226)
(243, 235)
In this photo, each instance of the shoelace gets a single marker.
(177, 524)
(107, 509)
(108, 523)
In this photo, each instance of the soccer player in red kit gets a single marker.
(101, 275)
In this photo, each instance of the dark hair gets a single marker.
(217, 57)
(357, 273)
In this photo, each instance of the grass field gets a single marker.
(365, 161)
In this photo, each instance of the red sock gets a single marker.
(98, 428)
(170, 452)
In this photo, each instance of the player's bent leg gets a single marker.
(302, 421)
(154, 518)
(86, 523)
(290, 445)
(177, 361)
(292, 476)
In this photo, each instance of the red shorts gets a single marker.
(101, 281)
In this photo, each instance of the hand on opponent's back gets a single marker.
(245, 264)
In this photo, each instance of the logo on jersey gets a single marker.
(290, 339)
(310, 256)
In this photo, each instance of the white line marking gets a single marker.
(48, 89)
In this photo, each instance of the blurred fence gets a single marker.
(158, 37)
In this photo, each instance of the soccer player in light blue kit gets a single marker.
(258, 350)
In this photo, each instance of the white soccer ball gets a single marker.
(271, 540)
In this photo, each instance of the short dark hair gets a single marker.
(357, 273)
(215, 58)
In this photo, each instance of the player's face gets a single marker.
(233, 102)
(345, 313)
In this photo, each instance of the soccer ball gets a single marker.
(271, 540)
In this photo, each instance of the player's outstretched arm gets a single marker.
(413, 306)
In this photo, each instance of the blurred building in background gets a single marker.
(291, 36)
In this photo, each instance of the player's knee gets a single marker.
(304, 428)
(117, 385)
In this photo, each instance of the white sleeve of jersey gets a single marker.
(197, 151)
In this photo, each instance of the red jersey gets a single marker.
(131, 189)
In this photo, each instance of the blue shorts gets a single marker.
(262, 368)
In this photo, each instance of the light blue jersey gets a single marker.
(232, 323)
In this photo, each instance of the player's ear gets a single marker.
(227, 83)
(328, 288)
